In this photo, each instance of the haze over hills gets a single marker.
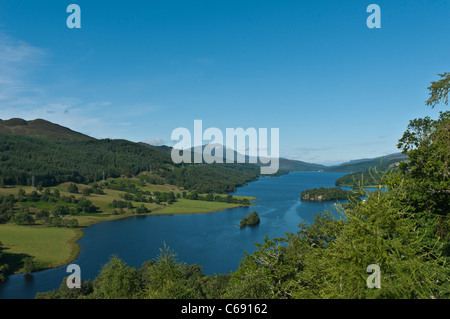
(361, 165)
(285, 165)
(354, 166)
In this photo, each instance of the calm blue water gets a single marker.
(213, 241)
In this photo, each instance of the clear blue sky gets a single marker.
(336, 89)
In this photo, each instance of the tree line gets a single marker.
(63, 205)
(404, 229)
(50, 162)
(165, 277)
(328, 194)
(212, 178)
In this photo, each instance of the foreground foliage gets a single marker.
(329, 258)
(50, 161)
(404, 229)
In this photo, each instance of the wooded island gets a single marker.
(327, 194)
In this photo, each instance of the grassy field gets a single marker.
(186, 206)
(53, 247)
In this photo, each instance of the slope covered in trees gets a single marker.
(355, 180)
(322, 194)
(405, 230)
(363, 165)
(212, 178)
(54, 161)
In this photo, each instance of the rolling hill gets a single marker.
(362, 165)
(285, 165)
(39, 128)
(362, 170)
(290, 165)
(53, 154)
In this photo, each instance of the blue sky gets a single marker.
(336, 89)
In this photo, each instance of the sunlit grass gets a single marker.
(186, 206)
(51, 247)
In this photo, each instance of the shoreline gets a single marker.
(75, 249)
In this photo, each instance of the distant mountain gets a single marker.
(289, 165)
(294, 165)
(39, 128)
(285, 165)
(50, 154)
(44, 129)
(362, 165)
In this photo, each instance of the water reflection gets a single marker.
(213, 241)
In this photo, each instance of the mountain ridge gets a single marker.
(353, 166)
(39, 128)
(362, 165)
(46, 129)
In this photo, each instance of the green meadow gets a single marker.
(51, 246)
(186, 206)
(56, 246)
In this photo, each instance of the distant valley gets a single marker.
(55, 154)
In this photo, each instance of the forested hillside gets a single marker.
(404, 230)
(215, 178)
(53, 161)
(355, 180)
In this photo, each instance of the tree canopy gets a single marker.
(404, 229)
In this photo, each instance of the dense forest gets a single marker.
(370, 176)
(364, 165)
(356, 180)
(53, 161)
(216, 178)
(405, 230)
